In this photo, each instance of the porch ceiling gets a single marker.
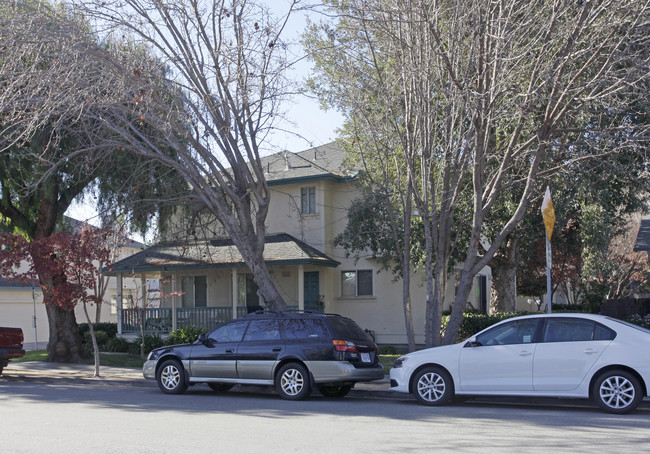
(279, 249)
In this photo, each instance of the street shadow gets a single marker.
(264, 403)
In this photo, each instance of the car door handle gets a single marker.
(277, 349)
(525, 353)
(591, 351)
(230, 350)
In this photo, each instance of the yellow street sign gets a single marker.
(548, 213)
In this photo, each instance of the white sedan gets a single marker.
(558, 355)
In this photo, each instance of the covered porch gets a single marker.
(206, 283)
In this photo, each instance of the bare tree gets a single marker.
(226, 60)
(495, 98)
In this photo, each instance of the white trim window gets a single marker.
(308, 200)
(356, 283)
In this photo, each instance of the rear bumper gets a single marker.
(9, 353)
(343, 371)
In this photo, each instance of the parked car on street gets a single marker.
(293, 351)
(558, 355)
(11, 345)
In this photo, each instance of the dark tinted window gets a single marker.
(602, 333)
(232, 332)
(575, 330)
(262, 330)
(303, 329)
(515, 332)
(344, 328)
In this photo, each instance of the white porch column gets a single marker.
(118, 301)
(235, 292)
(301, 287)
(175, 286)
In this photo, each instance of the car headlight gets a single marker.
(399, 362)
(152, 355)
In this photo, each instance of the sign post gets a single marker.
(549, 221)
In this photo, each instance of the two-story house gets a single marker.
(204, 281)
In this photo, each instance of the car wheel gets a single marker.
(617, 391)
(335, 391)
(171, 377)
(220, 387)
(292, 382)
(433, 386)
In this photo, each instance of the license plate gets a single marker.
(365, 357)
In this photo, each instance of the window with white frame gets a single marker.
(195, 291)
(356, 283)
(308, 200)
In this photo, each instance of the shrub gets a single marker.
(473, 323)
(387, 350)
(637, 319)
(117, 344)
(151, 341)
(109, 328)
(100, 336)
(185, 335)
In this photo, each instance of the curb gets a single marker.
(362, 390)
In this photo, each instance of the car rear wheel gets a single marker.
(171, 377)
(292, 382)
(617, 391)
(433, 386)
(220, 387)
(335, 391)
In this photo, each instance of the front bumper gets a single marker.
(399, 380)
(149, 369)
(343, 371)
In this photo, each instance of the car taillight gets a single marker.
(344, 346)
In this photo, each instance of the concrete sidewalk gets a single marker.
(44, 372)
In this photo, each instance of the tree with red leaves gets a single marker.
(65, 265)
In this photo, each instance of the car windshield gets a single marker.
(345, 328)
(631, 325)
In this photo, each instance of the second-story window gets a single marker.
(308, 200)
(356, 283)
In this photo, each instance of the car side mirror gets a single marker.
(203, 339)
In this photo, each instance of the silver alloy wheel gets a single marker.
(431, 387)
(170, 377)
(292, 382)
(617, 392)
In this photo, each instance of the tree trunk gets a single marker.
(94, 340)
(64, 345)
(504, 279)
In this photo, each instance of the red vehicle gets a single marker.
(11, 345)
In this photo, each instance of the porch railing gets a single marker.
(159, 320)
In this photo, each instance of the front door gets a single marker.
(312, 290)
(252, 299)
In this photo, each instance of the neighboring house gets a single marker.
(21, 305)
(643, 237)
(205, 281)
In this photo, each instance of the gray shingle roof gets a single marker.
(325, 161)
(280, 249)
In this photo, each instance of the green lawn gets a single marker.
(387, 361)
(125, 360)
(105, 359)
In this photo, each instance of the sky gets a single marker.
(317, 126)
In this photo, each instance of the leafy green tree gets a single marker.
(489, 101)
(55, 83)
